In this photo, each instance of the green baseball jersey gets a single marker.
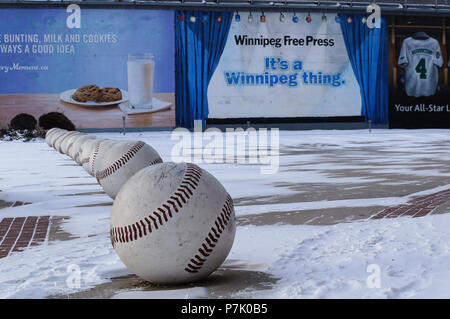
(421, 59)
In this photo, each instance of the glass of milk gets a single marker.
(140, 71)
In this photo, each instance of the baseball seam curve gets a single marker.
(161, 215)
(213, 236)
(122, 161)
(94, 155)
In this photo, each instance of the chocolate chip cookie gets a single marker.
(109, 94)
(86, 93)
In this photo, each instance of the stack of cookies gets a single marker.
(94, 93)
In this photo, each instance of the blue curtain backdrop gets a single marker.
(198, 46)
(367, 49)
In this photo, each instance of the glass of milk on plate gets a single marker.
(140, 69)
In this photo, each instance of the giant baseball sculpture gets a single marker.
(172, 223)
(121, 162)
(49, 134)
(58, 135)
(53, 135)
(74, 152)
(59, 141)
(67, 144)
(99, 152)
(87, 151)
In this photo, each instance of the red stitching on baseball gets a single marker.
(130, 234)
(156, 161)
(187, 189)
(122, 161)
(149, 224)
(212, 236)
(194, 267)
(192, 177)
(179, 195)
(209, 242)
(154, 221)
(168, 210)
(200, 259)
(176, 199)
(173, 205)
(204, 250)
(123, 234)
(94, 155)
(143, 227)
(139, 228)
(196, 262)
(190, 270)
(218, 226)
(124, 238)
(184, 192)
(117, 231)
(159, 217)
(163, 212)
(134, 232)
(120, 238)
(224, 218)
(186, 184)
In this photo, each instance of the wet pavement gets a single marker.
(226, 282)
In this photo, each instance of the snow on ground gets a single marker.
(411, 255)
(309, 261)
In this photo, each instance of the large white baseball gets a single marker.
(121, 162)
(172, 223)
(58, 142)
(58, 136)
(87, 150)
(75, 151)
(55, 134)
(68, 142)
(99, 152)
(48, 135)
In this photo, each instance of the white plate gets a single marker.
(157, 105)
(66, 96)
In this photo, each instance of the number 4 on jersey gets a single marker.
(421, 69)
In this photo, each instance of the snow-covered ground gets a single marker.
(321, 172)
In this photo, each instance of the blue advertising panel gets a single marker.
(284, 69)
(47, 54)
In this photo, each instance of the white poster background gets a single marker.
(229, 101)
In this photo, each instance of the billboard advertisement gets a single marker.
(419, 88)
(100, 67)
(280, 69)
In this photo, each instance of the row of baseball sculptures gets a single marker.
(171, 223)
